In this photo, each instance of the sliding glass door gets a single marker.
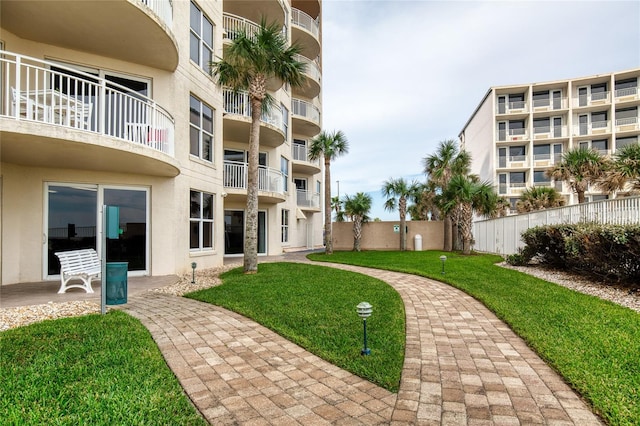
(73, 222)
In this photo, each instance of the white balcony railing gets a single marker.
(238, 103)
(306, 110)
(269, 180)
(626, 124)
(162, 8)
(301, 153)
(627, 92)
(69, 98)
(594, 128)
(313, 69)
(307, 199)
(512, 135)
(598, 98)
(549, 132)
(234, 25)
(302, 20)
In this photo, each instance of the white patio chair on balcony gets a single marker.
(28, 107)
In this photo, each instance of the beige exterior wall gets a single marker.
(70, 156)
(381, 235)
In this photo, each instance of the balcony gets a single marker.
(305, 117)
(270, 182)
(628, 94)
(593, 99)
(549, 104)
(546, 160)
(137, 31)
(550, 132)
(627, 125)
(308, 200)
(237, 126)
(301, 162)
(306, 32)
(255, 10)
(513, 135)
(592, 129)
(515, 107)
(49, 116)
(311, 87)
(513, 162)
(234, 25)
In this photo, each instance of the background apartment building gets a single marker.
(111, 102)
(518, 132)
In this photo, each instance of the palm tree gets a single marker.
(402, 190)
(579, 168)
(625, 169)
(336, 205)
(468, 195)
(328, 146)
(539, 198)
(448, 161)
(424, 203)
(249, 62)
(357, 209)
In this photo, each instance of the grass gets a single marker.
(594, 344)
(98, 370)
(315, 307)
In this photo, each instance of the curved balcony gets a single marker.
(301, 162)
(305, 117)
(311, 87)
(306, 32)
(237, 117)
(307, 200)
(270, 182)
(137, 31)
(69, 119)
(255, 10)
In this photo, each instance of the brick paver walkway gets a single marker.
(463, 366)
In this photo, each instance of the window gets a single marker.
(285, 121)
(541, 125)
(502, 183)
(517, 179)
(284, 168)
(517, 153)
(201, 129)
(626, 116)
(598, 119)
(201, 221)
(541, 99)
(201, 42)
(542, 152)
(318, 186)
(516, 127)
(540, 178)
(626, 84)
(620, 142)
(516, 101)
(285, 225)
(600, 145)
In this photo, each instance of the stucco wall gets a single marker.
(381, 235)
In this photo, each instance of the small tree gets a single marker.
(402, 190)
(623, 170)
(579, 168)
(539, 198)
(328, 146)
(357, 209)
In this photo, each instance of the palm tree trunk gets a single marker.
(251, 225)
(448, 242)
(402, 208)
(357, 233)
(328, 241)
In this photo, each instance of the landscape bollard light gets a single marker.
(364, 310)
(193, 276)
(443, 259)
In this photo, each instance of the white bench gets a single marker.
(78, 264)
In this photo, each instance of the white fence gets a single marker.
(502, 235)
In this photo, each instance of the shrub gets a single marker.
(609, 251)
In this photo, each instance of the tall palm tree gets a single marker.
(357, 209)
(403, 191)
(447, 161)
(468, 195)
(424, 203)
(579, 168)
(328, 146)
(539, 198)
(625, 169)
(249, 62)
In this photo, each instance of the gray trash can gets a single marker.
(116, 283)
(417, 242)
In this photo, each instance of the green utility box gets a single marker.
(116, 283)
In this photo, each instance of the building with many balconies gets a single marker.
(112, 103)
(518, 132)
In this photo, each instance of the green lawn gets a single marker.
(593, 344)
(90, 370)
(315, 307)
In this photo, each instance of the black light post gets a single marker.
(193, 276)
(364, 310)
(443, 259)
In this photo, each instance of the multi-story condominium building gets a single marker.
(518, 132)
(112, 103)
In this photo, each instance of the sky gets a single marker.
(399, 76)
